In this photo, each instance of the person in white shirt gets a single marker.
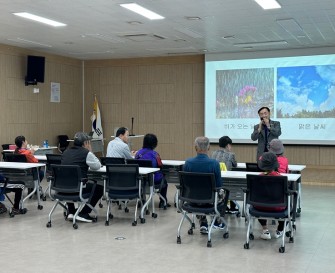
(118, 147)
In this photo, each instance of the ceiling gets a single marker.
(101, 29)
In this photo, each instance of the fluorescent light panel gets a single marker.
(142, 11)
(39, 19)
(268, 4)
(270, 43)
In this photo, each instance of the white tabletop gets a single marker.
(173, 162)
(41, 157)
(132, 136)
(38, 149)
(20, 165)
(243, 175)
(142, 170)
(292, 168)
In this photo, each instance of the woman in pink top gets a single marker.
(277, 147)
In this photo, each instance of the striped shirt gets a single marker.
(117, 148)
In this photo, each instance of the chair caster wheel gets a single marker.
(251, 236)
(101, 205)
(288, 233)
(142, 220)
(134, 223)
(238, 215)
(75, 226)
(126, 210)
(226, 235)
(120, 207)
(48, 224)
(95, 219)
(193, 225)
(107, 223)
(111, 216)
(190, 231)
(282, 249)
(40, 207)
(246, 246)
(299, 210)
(11, 215)
(44, 198)
(154, 215)
(147, 212)
(178, 240)
(209, 244)
(291, 240)
(24, 211)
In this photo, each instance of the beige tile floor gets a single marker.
(28, 246)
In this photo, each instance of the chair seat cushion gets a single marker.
(201, 208)
(70, 196)
(268, 214)
(132, 194)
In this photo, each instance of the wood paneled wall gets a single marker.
(166, 97)
(33, 115)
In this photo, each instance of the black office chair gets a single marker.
(270, 192)
(112, 160)
(6, 187)
(198, 195)
(51, 159)
(145, 163)
(63, 143)
(122, 184)
(16, 158)
(66, 185)
(252, 167)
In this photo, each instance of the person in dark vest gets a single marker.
(81, 154)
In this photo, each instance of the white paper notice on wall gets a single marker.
(55, 92)
(36, 90)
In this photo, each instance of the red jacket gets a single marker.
(30, 157)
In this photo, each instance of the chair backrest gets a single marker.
(252, 167)
(122, 177)
(15, 158)
(63, 142)
(53, 159)
(5, 146)
(112, 160)
(140, 162)
(66, 178)
(267, 191)
(197, 188)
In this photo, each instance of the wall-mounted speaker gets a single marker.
(35, 70)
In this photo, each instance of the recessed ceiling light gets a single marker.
(268, 4)
(193, 18)
(228, 37)
(270, 43)
(142, 11)
(39, 19)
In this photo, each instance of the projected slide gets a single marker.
(300, 92)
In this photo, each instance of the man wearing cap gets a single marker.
(81, 154)
(269, 164)
(277, 147)
(265, 131)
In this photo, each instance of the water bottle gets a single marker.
(46, 143)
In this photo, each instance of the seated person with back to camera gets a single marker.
(81, 154)
(203, 164)
(148, 153)
(225, 155)
(269, 164)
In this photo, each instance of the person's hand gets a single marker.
(133, 153)
(260, 126)
(266, 121)
(87, 145)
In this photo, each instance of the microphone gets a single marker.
(132, 127)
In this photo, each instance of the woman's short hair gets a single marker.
(224, 141)
(19, 141)
(150, 141)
